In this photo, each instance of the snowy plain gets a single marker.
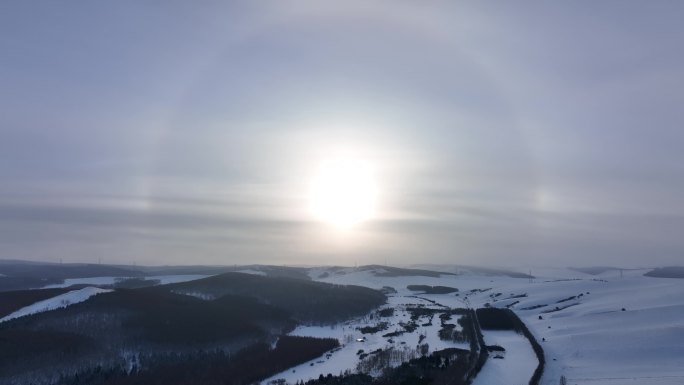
(589, 339)
(515, 368)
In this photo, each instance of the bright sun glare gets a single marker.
(343, 192)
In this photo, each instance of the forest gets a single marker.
(138, 330)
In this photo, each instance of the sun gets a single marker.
(343, 192)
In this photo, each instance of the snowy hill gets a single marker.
(56, 302)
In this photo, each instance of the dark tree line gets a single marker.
(444, 367)
(249, 365)
(307, 301)
(158, 323)
(426, 289)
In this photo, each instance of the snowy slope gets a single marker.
(60, 301)
(164, 279)
(252, 271)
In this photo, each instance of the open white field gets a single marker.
(516, 366)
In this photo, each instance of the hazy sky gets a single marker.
(184, 132)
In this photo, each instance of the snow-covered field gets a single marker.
(516, 366)
(56, 302)
(164, 279)
(589, 339)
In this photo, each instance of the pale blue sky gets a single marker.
(529, 133)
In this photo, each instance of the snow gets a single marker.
(596, 340)
(346, 359)
(516, 367)
(99, 281)
(591, 342)
(252, 271)
(196, 294)
(59, 301)
(367, 278)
